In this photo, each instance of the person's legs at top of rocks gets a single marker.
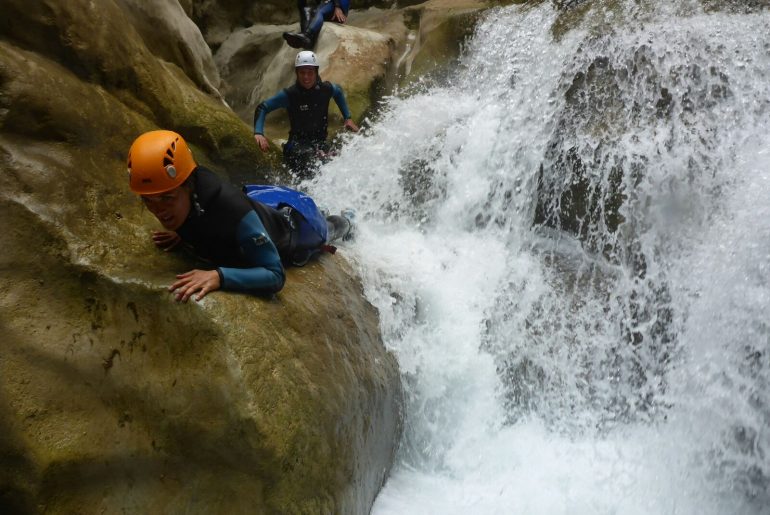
(329, 10)
(305, 14)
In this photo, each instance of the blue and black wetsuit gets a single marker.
(308, 117)
(311, 22)
(224, 228)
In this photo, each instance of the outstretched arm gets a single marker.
(265, 273)
(280, 100)
(339, 98)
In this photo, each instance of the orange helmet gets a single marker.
(158, 161)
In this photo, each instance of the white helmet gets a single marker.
(306, 58)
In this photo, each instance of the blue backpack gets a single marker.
(311, 230)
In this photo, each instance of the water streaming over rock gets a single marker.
(569, 247)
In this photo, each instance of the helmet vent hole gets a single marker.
(167, 161)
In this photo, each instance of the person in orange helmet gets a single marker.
(245, 239)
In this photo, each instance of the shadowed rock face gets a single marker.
(170, 34)
(218, 18)
(112, 396)
(69, 79)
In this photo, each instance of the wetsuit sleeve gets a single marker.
(279, 100)
(266, 273)
(339, 98)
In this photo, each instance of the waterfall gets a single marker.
(568, 242)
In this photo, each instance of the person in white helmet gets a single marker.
(307, 102)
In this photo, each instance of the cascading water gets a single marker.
(569, 247)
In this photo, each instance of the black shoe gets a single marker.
(338, 228)
(350, 215)
(297, 40)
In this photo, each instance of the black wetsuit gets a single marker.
(235, 234)
(308, 116)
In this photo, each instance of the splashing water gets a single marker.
(569, 248)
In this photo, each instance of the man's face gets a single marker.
(170, 208)
(306, 76)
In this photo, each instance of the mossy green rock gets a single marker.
(113, 397)
(440, 27)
